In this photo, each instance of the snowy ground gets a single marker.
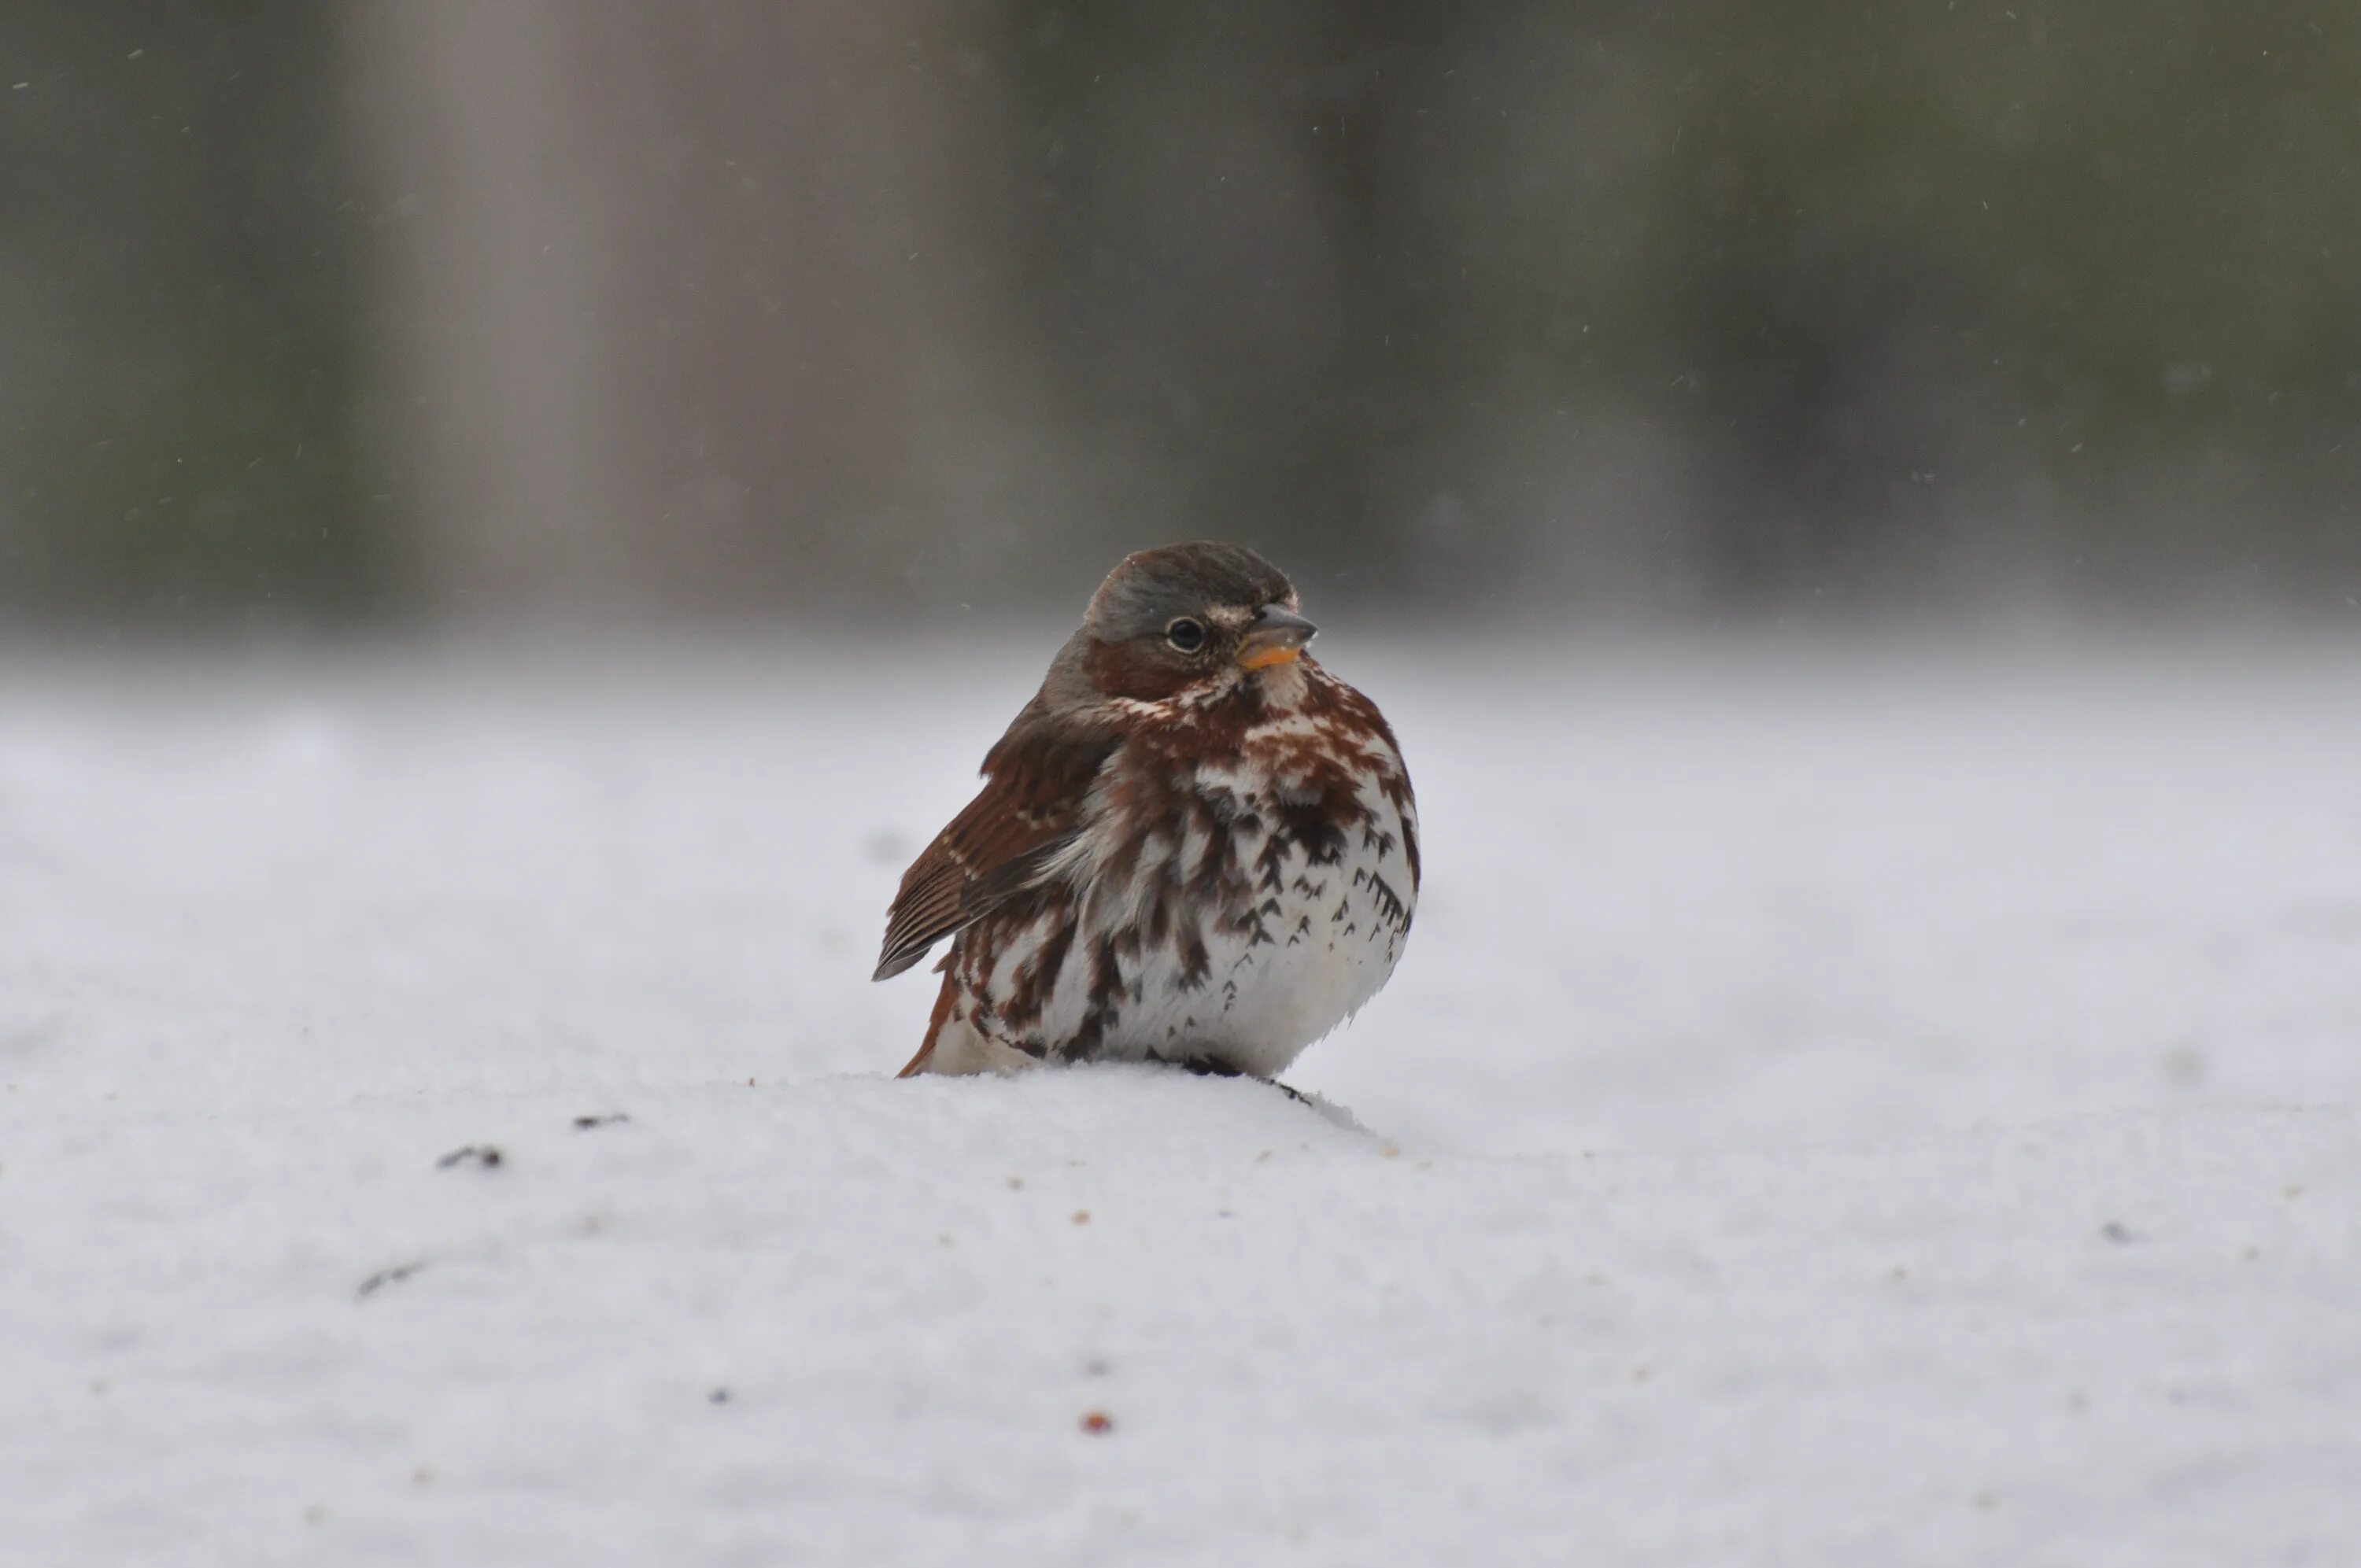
(1837, 1107)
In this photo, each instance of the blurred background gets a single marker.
(518, 518)
(431, 311)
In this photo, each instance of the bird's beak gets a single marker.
(1277, 637)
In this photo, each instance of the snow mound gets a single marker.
(441, 1119)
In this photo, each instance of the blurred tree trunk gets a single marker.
(649, 320)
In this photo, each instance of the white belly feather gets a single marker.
(1328, 936)
(1335, 939)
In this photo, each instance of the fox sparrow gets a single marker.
(1194, 845)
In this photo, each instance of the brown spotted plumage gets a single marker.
(1194, 845)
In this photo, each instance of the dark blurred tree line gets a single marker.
(176, 289)
(487, 306)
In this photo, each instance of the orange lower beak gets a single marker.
(1277, 637)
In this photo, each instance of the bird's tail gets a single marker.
(921, 1063)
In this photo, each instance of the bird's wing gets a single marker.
(1006, 840)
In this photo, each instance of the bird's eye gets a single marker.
(1186, 634)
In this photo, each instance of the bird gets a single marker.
(1194, 846)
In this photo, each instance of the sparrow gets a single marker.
(1194, 846)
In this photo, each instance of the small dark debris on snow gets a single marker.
(2118, 1233)
(584, 1124)
(385, 1276)
(484, 1155)
(718, 1396)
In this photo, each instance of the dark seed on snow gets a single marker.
(394, 1276)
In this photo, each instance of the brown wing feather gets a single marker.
(1030, 808)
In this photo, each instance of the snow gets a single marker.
(1836, 1105)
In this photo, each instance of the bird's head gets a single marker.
(1201, 616)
